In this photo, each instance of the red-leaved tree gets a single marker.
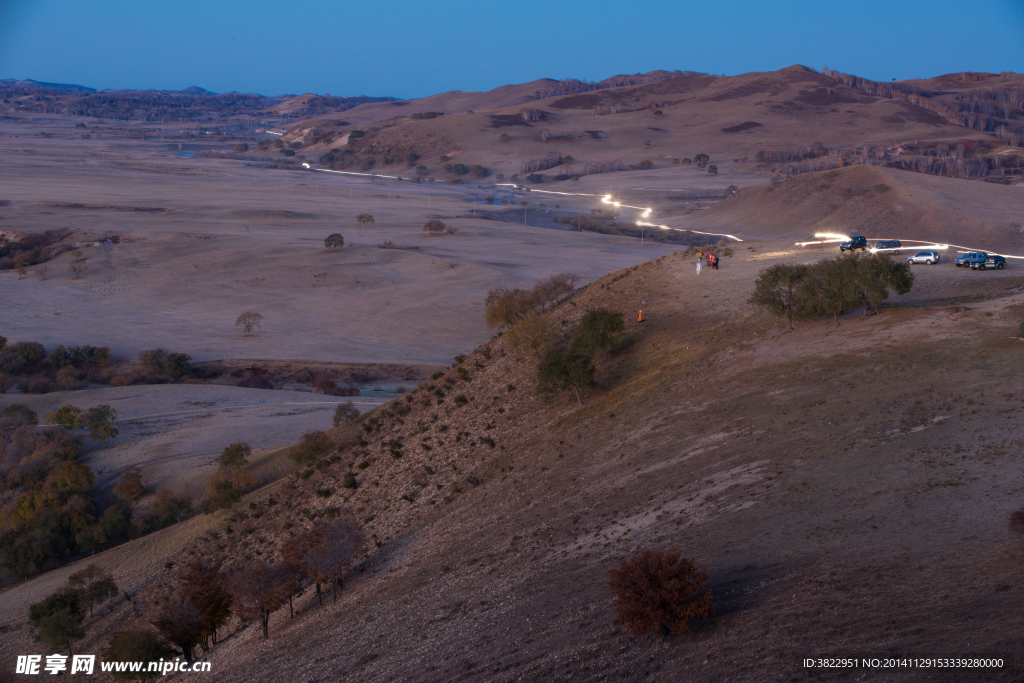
(258, 589)
(659, 590)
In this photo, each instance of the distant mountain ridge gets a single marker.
(29, 83)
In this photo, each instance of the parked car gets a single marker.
(991, 261)
(970, 257)
(888, 247)
(854, 244)
(925, 257)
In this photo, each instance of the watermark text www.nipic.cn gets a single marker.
(85, 664)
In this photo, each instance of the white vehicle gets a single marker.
(925, 257)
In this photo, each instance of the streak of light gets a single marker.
(918, 245)
(696, 232)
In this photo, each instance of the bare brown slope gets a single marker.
(454, 101)
(838, 483)
(731, 119)
(877, 202)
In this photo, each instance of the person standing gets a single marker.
(698, 265)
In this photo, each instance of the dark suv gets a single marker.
(854, 244)
(888, 247)
(971, 259)
(991, 261)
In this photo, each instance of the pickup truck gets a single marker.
(854, 244)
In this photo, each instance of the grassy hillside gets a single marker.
(846, 487)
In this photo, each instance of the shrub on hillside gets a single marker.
(599, 330)
(533, 333)
(564, 369)
(235, 455)
(311, 445)
(345, 413)
(658, 590)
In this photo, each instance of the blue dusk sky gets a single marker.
(412, 49)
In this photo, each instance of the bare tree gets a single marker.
(249, 320)
(76, 268)
(545, 134)
(41, 271)
(336, 546)
(258, 589)
(326, 552)
(451, 230)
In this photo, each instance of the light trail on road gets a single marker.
(833, 238)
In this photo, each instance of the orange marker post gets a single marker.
(640, 316)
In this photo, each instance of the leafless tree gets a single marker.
(326, 552)
(41, 271)
(248, 320)
(545, 134)
(258, 589)
(76, 268)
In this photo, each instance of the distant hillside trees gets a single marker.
(334, 241)
(57, 621)
(365, 219)
(434, 227)
(504, 306)
(165, 363)
(230, 482)
(830, 287)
